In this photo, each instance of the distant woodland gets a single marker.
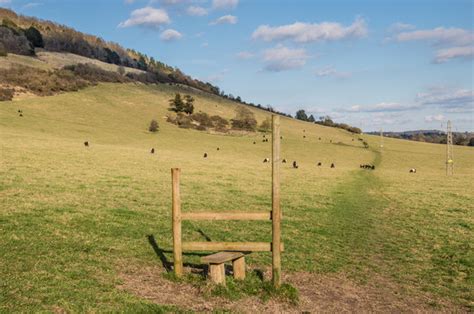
(432, 136)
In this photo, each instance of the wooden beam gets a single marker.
(229, 246)
(276, 211)
(226, 216)
(176, 220)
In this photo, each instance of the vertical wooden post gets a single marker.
(176, 216)
(276, 212)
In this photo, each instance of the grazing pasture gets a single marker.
(76, 221)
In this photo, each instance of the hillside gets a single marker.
(76, 221)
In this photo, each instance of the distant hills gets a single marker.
(431, 136)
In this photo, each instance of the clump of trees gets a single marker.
(244, 120)
(327, 121)
(200, 121)
(154, 127)
(177, 104)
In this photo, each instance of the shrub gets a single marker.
(203, 119)
(184, 121)
(266, 125)
(244, 120)
(154, 127)
(189, 104)
(6, 94)
(34, 37)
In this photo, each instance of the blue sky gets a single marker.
(395, 65)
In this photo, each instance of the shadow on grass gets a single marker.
(168, 265)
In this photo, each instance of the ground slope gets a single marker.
(75, 221)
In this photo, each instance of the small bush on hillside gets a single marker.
(184, 121)
(203, 119)
(244, 120)
(34, 37)
(6, 94)
(266, 125)
(154, 127)
(220, 124)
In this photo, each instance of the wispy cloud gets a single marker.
(399, 26)
(224, 4)
(330, 71)
(380, 107)
(281, 58)
(5, 2)
(226, 19)
(435, 118)
(450, 43)
(304, 32)
(446, 97)
(244, 55)
(147, 17)
(170, 35)
(196, 11)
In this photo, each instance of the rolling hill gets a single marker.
(76, 221)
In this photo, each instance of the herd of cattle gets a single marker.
(294, 164)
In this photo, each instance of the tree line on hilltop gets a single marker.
(326, 121)
(24, 35)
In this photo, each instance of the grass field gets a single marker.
(73, 220)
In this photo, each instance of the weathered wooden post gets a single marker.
(276, 211)
(176, 216)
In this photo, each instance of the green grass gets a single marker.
(71, 217)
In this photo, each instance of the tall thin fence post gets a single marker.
(176, 216)
(276, 211)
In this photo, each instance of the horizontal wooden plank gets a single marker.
(221, 257)
(229, 246)
(226, 216)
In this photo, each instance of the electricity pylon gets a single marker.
(449, 151)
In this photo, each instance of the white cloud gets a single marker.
(380, 107)
(434, 118)
(398, 27)
(5, 1)
(126, 1)
(196, 11)
(226, 19)
(304, 32)
(450, 43)
(444, 55)
(439, 36)
(224, 4)
(170, 35)
(281, 58)
(332, 72)
(244, 55)
(30, 5)
(446, 97)
(147, 17)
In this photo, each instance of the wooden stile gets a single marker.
(229, 246)
(276, 212)
(176, 217)
(275, 215)
(227, 216)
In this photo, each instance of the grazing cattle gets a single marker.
(152, 151)
(86, 144)
(263, 135)
(319, 164)
(367, 166)
(205, 155)
(217, 148)
(20, 111)
(266, 160)
(319, 138)
(295, 165)
(304, 136)
(413, 170)
(254, 142)
(21, 115)
(333, 166)
(373, 167)
(281, 137)
(284, 161)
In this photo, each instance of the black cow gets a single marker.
(413, 170)
(205, 155)
(284, 161)
(217, 148)
(319, 164)
(295, 165)
(86, 144)
(333, 166)
(266, 160)
(152, 151)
